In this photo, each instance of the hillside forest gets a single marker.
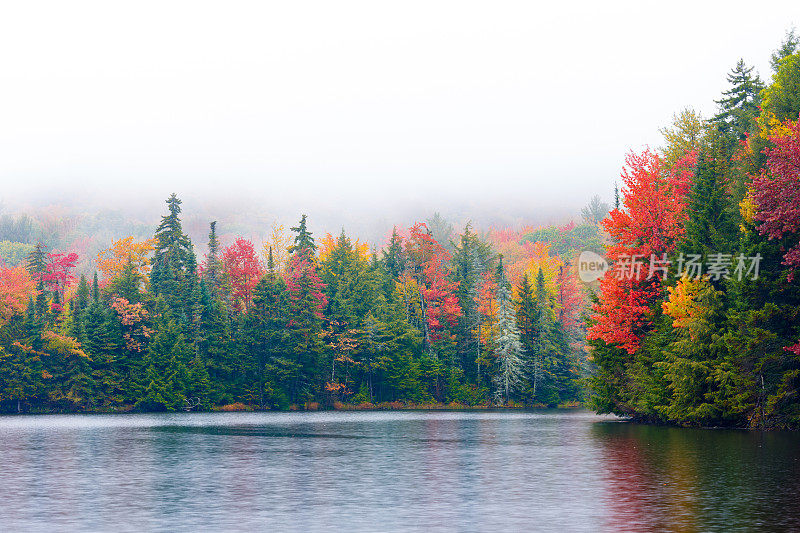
(695, 322)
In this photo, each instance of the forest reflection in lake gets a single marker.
(548, 470)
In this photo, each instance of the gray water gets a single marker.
(551, 470)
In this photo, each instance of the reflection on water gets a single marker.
(659, 478)
(379, 471)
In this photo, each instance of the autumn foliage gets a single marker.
(776, 191)
(650, 224)
(427, 258)
(16, 288)
(112, 261)
(242, 269)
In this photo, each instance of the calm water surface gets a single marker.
(390, 471)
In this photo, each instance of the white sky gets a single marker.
(369, 103)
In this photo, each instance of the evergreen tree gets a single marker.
(788, 47)
(213, 267)
(20, 376)
(174, 272)
(79, 304)
(303, 240)
(163, 381)
(710, 228)
(739, 105)
(306, 304)
(393, 257)
(265, 340)
(102, 341)
(36, 262)
(508, 350)
(442, 231)
(538, 319)
(781, 98)
(95, 289)
(215, 342)
(471, 259)
(595, 211)
(128, 285)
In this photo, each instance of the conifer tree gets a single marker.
(710, 228)
(36, 262)
(212, 265)
(540, 341)
(471, 260)
(393, 257)
(508, 350)
(265, 338)
(306, 304)
(788, 47)
(739, 105)
(215, 341)
(20, 374)
(128, 284)
(102, 341)
(303, 240)
(163, 380)
(174, 273)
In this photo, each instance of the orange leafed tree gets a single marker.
(487, 307)
(16, 288)
(111, 261)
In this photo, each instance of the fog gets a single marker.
(361, 114)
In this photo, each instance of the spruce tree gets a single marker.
(393, 257)
(102, 341)
(264, 334)
(215, 341)
(508, 350)
(213, 266)
(127, 285)
(788, 47)
(163, 379)
(20, 374)
(174, 272)
(739, 105)
(36, 262)
(472, 258)
(303, 240)
(710, 228)
(306, 303)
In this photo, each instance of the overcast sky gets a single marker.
(357, 103)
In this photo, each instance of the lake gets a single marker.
(545, 470)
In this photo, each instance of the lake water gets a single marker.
(549, 470)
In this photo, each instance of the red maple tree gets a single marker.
(776, 192)
(58, 275)
(428, 259)
(651, 223)
(242, 269)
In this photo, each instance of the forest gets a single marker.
(435, 317)
(299, 323)
(706, 346)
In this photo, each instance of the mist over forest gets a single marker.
(90, 223)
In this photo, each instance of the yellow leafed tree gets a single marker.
(690, 304)
(279, 240)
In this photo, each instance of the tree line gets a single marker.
(304, 324)
(708, 346)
